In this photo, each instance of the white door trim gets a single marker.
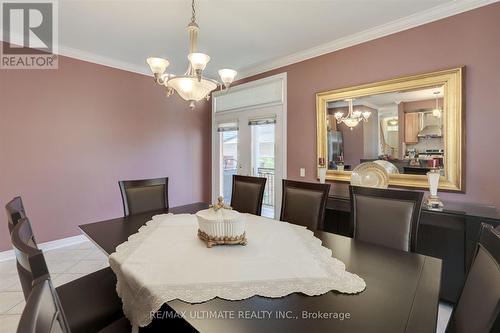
(256, 104)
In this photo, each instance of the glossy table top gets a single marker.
(401, 296)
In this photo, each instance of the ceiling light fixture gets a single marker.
(437, 111)
(393, 121)
(353, 117)
(192, 86)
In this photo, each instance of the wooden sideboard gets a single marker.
(450, 234)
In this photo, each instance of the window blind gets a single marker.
(262, 121)
(226, 127)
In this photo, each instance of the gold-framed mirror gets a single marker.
(416, 123)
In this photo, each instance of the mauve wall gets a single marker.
(471, 39)
(68, 135)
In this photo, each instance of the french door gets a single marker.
(250, 143)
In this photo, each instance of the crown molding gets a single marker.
(405, 23)
(78, 54)
(102, 60)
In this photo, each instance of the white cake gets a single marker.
(221, 223)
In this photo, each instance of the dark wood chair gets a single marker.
(43, 313)
(247, 194)
(90, 302)
(15, 212)
(144, 195)
(385, 217)
(304, 203)
(29, 259)
(478, 307)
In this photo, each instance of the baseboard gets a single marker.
(52, 245)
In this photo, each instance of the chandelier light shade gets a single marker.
(353, 118)
(198, 60)
(192, 85)
(351, 122)
(190, 89)
(157, 65)
(227, 76)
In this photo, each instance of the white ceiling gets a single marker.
(394, 98)
(390, 100)
(249, 36)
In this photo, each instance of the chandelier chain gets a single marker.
(193, 12)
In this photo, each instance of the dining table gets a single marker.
(401, 295)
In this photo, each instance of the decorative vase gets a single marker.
(322, 174)
(321, 170)
(433, 201)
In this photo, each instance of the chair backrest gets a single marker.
(304, 203)
(385, 217)
(144, 195)
(15, 212)
(30, 260)
(478, 306)
(43, 313)
(248, 193)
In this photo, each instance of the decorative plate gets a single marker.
(370, 174)
(388, 166)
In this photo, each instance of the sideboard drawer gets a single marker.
(338, 204)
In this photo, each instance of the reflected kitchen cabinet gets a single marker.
(412, 127)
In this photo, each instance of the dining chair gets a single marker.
(478, 306)
(304, 203)
(385, 217)
(144, 195)
(27, 256)
(247, 194)
(43, 313)
(90, 302)
(15, 212)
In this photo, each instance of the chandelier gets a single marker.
(353, 117)
(192, 85)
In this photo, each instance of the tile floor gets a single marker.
(69, 263)
(65, 264)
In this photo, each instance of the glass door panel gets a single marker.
(228, 139)
(249, 143)
(263, 139)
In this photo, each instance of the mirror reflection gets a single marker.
(404, 128)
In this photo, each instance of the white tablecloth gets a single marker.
(165, 260)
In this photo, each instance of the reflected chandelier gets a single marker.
(353, 117)
(192, 86)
